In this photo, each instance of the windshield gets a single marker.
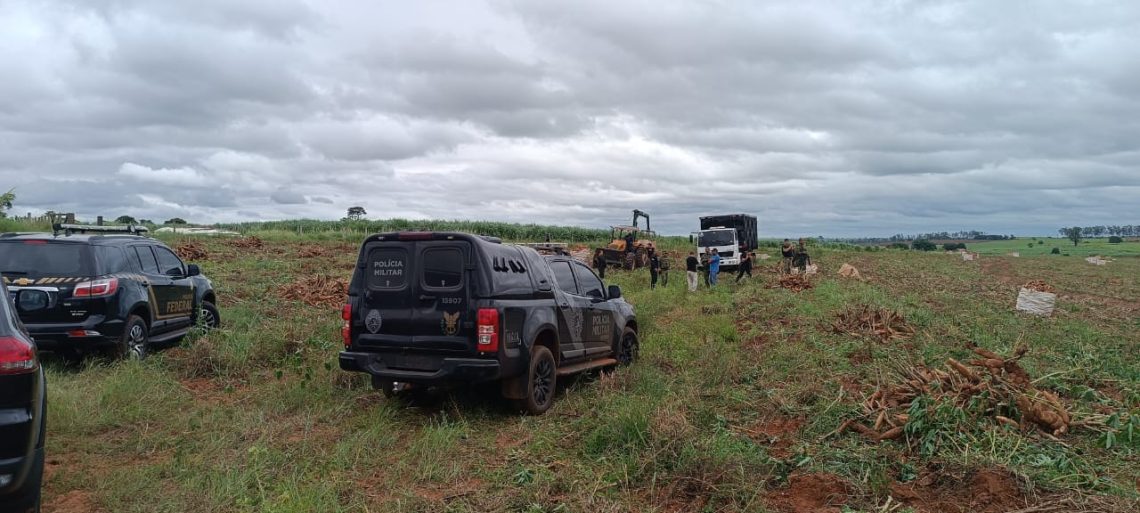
(717, 238)
(44, 258)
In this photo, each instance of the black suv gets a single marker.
(111, 292)
(429, 308)
(23, 404)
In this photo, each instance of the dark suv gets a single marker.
(109, 292)
(429, 308)
(23, 405)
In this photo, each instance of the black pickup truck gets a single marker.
(434, 308)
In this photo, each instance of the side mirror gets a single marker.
(615, 292)
(32, 300)
(192, 270)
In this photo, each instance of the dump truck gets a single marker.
(730, 235)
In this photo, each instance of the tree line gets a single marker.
(1100, 231)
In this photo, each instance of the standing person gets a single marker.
(745, 266)
(714, 267)
(665, 270)
(691, 264)
(600, 263)
(789, 253)
(802, 259)
(705, 265)
(654, 268)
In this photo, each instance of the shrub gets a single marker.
(1115, 240)
(954, 246)
(1031, 244)
(899, 245)
(1056, 251)
(924, 245)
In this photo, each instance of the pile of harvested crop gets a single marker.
(251, 242)
(865, 321)
(995, 386)
(794, 282)
(191, 251)
(849, 271)
(1039, 286)
(315, 251)
(317, 290)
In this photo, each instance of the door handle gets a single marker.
(564, 305)
(425, 297)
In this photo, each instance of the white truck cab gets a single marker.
(723, 240)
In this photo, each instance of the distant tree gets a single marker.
(175, 220)
(923, 245)
(6, 200)
(145, 221)
(125, 220)
(356, 213)
(1074, 234)
(1115, 240)
(1056, 251)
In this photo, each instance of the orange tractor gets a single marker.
(630, 245)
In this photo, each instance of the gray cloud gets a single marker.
(822, 117)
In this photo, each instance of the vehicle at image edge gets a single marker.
(729, 235)
(111, 292)
(23, 406)
(429, 308)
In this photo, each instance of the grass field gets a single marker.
(733, 406)
(1087, 247)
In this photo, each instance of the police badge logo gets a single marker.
(574, 319)
(450, 323)
(373, 321)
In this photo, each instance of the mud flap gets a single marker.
(515, 388)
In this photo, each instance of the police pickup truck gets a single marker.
(437, 308)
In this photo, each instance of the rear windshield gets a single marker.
(443, 268)
(44, 258)
(387, 268)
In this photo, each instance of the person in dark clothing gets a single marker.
(789, 253)
(745, 266)
(654, 268)
(629, 242)
(705, 265)
(691, 266)
(600, 263)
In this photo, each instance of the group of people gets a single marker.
(794, 257)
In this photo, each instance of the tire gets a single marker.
(628, 347)
(134, 343)
(208, 316)
(541, 382)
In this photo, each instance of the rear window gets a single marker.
(146, 260)
(565, 277)
(112, 260)
(443, 268)
(387, 268)
(45, 258)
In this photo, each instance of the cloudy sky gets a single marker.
(836, 118)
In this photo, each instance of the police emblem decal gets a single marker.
(450, 323)
(373, 321)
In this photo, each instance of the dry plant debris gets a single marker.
(864, 321)
(251, 242)
(1040, 286)
(191, 251)
(794, 282)
(998, 384)
(315, 251)
(317, 290)
(849, 271)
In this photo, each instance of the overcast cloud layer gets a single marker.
(823, 118)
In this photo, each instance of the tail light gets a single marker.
(346, 330)
(17, 356)
(97, 288)
(488, 330)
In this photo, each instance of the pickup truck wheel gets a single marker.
(133, 343)
(542, 382)
(628, 347)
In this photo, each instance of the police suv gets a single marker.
(107, 289)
